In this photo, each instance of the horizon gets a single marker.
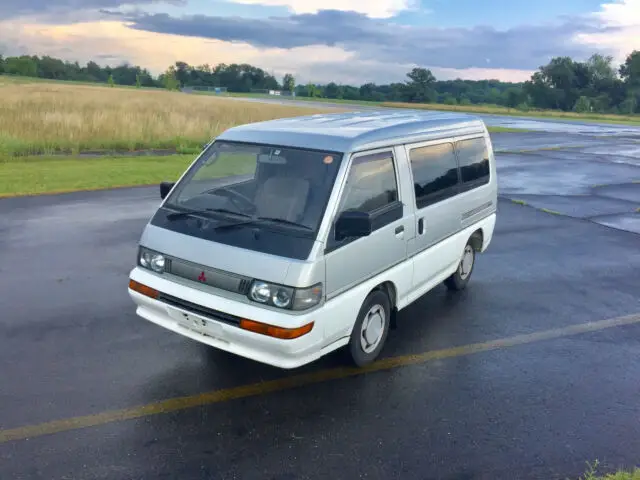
(356, 43)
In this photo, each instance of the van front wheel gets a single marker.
(371, 329)
(459, 280)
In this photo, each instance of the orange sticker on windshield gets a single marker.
(328, 159)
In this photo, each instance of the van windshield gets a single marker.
(248, 184)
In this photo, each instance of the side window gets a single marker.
(371, 184)
(473, 156)
(435, 173)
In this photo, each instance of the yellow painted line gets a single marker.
(219, 396)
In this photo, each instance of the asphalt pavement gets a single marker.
(549, 124)
(73, 350)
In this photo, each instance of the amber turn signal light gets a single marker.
(143, 289)
(276, 332)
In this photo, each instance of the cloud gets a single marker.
(523, 47)
(621, 13)
(117, 44)
(59, 9)
(370, 8)
(624, 16)
(340, 45)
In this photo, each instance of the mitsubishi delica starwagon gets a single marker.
(288, 239)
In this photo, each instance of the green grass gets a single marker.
(57, 174)
(303, 99)
(507, 130)
(6, 79)
(552, 212)
(39, 175)
(591, 474)
(621, 475)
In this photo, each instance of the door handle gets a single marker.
(421, 226)
(399, 229)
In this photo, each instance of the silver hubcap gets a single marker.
(372, 328)
(466, 264)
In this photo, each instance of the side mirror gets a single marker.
(353, 224)
(165, 188)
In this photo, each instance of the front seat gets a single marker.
(282, 197)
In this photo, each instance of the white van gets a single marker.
(288, 239)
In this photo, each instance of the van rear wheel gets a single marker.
(371, 329)
(458, 281)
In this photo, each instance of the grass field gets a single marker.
(42, 120)
(43, 174)
(45, 125)
(46, 118)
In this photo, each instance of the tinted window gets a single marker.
(435, 171)
(371, 183)
(473, 156)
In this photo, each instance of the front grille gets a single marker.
(208, 276)
(243, 286)
(199, 309)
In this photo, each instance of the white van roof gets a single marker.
(353, 131)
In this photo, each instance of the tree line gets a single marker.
(595, 85)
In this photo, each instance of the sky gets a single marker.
(346, 41)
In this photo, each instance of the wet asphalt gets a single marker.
(71, 345)
(550, 125)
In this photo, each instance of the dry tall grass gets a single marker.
(48, 118)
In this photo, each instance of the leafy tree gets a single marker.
(289, 83)
(629, 105)
(582, 105)
(563, 83)
(170, 79)
(25, 66)
(311, 90)
(513, 97)
(332, 90)
(420, 88)
(601, 68)
(630, 70)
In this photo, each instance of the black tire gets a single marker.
(459, 280)
(359, 356)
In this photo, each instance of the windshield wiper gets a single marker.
(285, 222)
(174, 215)
(259, 219)
(234, 224)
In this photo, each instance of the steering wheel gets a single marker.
(241, 201)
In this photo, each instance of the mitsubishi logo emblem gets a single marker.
(201, 277)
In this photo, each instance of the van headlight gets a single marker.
(151, 260)
(285, 297)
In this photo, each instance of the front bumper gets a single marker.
(221, 330)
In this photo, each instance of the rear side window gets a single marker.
(371, 183)
(473, 156)
(435, 173)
